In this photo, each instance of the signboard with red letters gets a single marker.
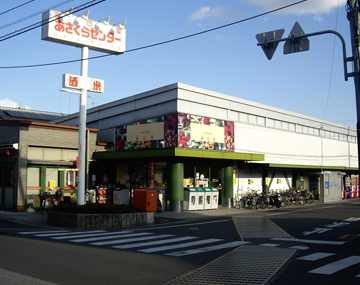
(78, 82)
(79, 31)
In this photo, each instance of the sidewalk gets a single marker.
(38, 219)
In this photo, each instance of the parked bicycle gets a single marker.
(51, 197)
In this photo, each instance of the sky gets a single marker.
(225, 60)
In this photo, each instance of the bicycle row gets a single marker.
(255, 200)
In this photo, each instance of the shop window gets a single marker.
(202, 176)
(139, 175)
(33, 186)
(188, 175)
(52, 177)
(215, 177)
(160, 174)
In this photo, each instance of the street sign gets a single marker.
(78, 82)
(264, 38)
(299, 44)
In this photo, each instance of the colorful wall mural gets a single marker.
(176, 130)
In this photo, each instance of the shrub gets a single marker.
(94, 208)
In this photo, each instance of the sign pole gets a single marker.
(82, 126)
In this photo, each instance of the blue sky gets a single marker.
(226, 60)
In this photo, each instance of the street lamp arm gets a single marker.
(292, 38)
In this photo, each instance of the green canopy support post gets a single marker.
(176, 186)
(228, 186)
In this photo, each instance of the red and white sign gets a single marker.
(78, 31)
(78, 82)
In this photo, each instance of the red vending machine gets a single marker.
(145, 200)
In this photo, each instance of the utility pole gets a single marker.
(352, 8)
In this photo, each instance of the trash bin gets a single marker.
(208, 198)
(190, 198)
(214, 198)
(201, 198)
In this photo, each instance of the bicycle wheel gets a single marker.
(311, 198)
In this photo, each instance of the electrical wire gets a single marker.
(332, 64)
(23, 4)
(35, 14)
(160, 43)
(46, 21)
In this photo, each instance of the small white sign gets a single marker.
(78, 82)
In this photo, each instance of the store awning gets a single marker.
(180, 152)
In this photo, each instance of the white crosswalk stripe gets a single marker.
(122, 235)
(206, 249)
(315, 256)
(180, 245)
(146, 242)
(119, 241)
(163, 241)
(336, 266)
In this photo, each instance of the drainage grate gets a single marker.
(248, 264)
(257, 227)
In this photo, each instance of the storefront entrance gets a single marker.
(6, 187)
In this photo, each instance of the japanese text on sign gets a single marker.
(77, 31)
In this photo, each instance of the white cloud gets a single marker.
(9, 103)
(310, 7)
(208, 12)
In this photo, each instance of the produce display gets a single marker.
(210, 134)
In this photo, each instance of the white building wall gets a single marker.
(286, 147)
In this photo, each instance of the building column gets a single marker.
(177, 186)
(228, 186)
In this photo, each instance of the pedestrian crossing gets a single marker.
(146, 242)
(178, 246)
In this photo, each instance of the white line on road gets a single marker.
(183, 225)
(132, 245)
(206, 249)
(337, 266)
(119, 241)
(62, 234)
(110, 237)
(311, 241)
(181, 245)
(74, 235)
(315, 256)
(42, 232)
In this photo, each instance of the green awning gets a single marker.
(179, 152)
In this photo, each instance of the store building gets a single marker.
(178, 136)
(36, 156)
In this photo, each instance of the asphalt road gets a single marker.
(56, 258)
(324, 235)
(330, 237)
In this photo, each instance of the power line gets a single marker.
(35, 14)
(160, 43)
(43, 22)
(23, 4)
